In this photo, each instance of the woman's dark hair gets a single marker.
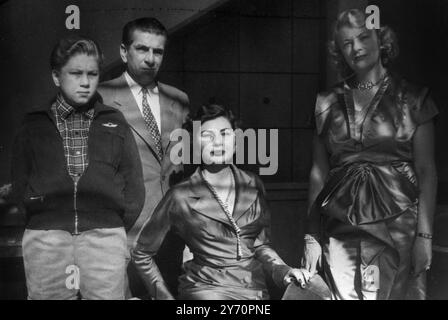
(72, 45)
(210, 112)
(355, 18)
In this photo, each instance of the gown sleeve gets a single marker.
(424, 108)
(149, 241)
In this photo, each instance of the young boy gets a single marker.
(77, 173)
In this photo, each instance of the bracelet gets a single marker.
(424, 235)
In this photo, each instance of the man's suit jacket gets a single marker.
(158, 175)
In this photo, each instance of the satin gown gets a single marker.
(368, 207)
(215, 273)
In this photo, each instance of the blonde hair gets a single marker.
(355, 18)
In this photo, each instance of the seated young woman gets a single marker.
(222, 215)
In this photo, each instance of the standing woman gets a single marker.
(221, 214)
(373, 179)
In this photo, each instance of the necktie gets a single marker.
(151, 123)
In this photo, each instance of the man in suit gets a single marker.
(152, 109)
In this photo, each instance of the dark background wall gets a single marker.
(263, 59)
(266, 59)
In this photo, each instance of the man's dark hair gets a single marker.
(147, 24)
(72, 45)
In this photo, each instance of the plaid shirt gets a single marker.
(74, 129)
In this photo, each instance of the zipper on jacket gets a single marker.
(75, 206)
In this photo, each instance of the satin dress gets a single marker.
(367, 210)
(214, 273)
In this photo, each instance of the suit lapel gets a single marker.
(125, 102)
(167, 116)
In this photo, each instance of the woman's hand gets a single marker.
(312, 255)
(301, 276)
(421, 255)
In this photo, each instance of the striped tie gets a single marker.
(152, 124)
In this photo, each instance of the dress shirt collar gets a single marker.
(137, 88)
(64, 110)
